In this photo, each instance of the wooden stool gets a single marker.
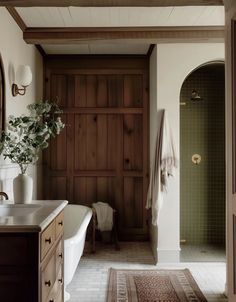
(114, 236)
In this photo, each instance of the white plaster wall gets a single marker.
(14, 52)
(173, 63)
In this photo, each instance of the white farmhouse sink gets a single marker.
(18, 209)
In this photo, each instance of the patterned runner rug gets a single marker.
(153, 286)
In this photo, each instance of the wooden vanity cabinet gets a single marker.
(31, 264)
(52, 257)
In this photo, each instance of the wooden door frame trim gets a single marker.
(41, 50)
(108, 3)
(150, 50)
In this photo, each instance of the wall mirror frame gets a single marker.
(2, 96)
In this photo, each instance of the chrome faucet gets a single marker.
(4, 195)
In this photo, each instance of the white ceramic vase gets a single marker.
(23, 188)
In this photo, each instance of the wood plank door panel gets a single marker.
(133, 142)
(59, 89)
(133, 91)
(95, 142)
(102, 155)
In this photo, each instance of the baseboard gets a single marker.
(154, 252)
(168, 255)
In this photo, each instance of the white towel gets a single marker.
(104, 216)
(164, 163)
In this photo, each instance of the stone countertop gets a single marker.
(40, 214)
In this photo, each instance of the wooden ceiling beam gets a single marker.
(107, 3)
(74, 35)
(13, 12)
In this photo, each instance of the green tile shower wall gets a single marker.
(202, 187)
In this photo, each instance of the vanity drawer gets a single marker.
(47, 239)
(59, 281)
(59, 224)
(59, 255)
(52, 246)
(59, 297)
(56, 289)
(60, 293)
(48, 278)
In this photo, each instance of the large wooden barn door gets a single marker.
(102, 155)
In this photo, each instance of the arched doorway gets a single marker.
(202, 164)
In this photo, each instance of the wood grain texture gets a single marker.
(58, 187)
(72, 35)
(102, 142)
(89, 64)
(80, 91)
(133, 209)
(112, 140)
(80, 142)
(91, 141)
(115, 91)
(59, 89)
(102, 92)
(133, 142)
(103, 155)
(133, 91)
(104, 3)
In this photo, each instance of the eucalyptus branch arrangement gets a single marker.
(27, 135)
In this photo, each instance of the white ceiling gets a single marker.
(122, 16)
(117, 17)
(96, 49)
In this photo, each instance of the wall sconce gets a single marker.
(24, 78)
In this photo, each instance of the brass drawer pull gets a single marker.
(60, 280)
(49, 240)
(47, 283)
(60, 255)
(60, 223)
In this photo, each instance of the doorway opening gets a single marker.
(202, 165)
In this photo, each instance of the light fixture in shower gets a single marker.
(195, 96)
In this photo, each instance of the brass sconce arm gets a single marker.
(24, 79)
(15, 90)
